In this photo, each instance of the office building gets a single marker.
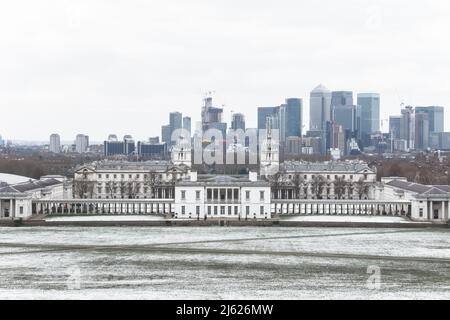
(55, 143)
(368, 116)
(319, 108)
(81, 143)
(394, 126)
(422, 131)
(238, 121)
(407, 127)
(187, 124)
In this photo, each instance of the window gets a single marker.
(115, 176)
(21, 210)
(305, 177)
(183, 195)
(229, 194)
(351, 177)
(247, 210)
(183, 210)
(99, 189)
(197, 210)
(229, 211)
(130, 176)
(261, 210)
(421, 212)
(236, 194)
(328, 176)
(99, 176)
(222, 210)
(122, 176)
(209, 210)
(236, 210)
(215, 210)
(137, 176)
(247, 195)
(107, 176)
(261, 195)
(197, 195)
(209, 194)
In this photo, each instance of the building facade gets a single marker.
(215, 196)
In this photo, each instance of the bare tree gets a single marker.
(362, 188)
(83, 188)
(298, 183)
(152, 180)
(317, 185)
(110, 188)
(277, 182)
(132, 188)
(123, 188)
(340, 185)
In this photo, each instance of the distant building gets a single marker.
(113, 147)
(368, 115)
(81, 143)
(212, 117)
(268, 112)
(175, 121)
(152, 150)
(394, 126)
(435, 116)
(55, 143)
(335, 138)
(2, 142)
(422, 131)
(319, 108)
(166, 134)
(238, 121)
(293, 121)
(407, 127)
(187, 124)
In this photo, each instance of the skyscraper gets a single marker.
(166, 134)
(394, 126)
(264, 113)
(407, 127)
(319, 108)
(435, 117)
(81, 143)
(422, 131)
(212, 117)
(176, 121)
(341, 98)
(187, 124)
(368, 115)
(293, 121)
(343, 112)
(238, 121)
(55, 143)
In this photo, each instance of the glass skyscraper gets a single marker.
(368, 116)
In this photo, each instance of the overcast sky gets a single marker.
(100, 67)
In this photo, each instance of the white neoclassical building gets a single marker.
(216, 196)
(16, 200)
(428, 202)
(128, 180)
(343, 180)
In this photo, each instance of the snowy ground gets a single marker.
(376, 219)
(104, 218)
(223, 263)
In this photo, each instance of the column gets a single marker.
(430, 210)
(11, 213)
(443, 211)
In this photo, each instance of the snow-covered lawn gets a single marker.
(103, 218)
(374, 219)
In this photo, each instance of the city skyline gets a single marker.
(101, 62)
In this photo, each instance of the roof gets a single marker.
(320, 88)
(420, 189)
(153, 165)
(339, 166)
(29, 186)
(13, 178)
(223, 180)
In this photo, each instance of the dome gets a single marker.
(320, 88)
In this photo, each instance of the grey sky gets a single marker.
(100, 67)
